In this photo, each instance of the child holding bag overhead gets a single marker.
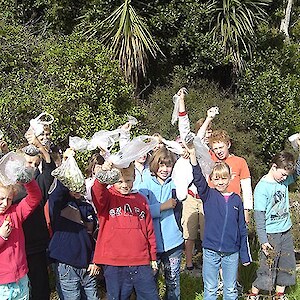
(225, 233)
(166, 214)
(126, 241)
(14, 283)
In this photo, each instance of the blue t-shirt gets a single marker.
(273, 198)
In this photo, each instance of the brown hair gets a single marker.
(284, 160)
(219, 136)
(96, 159)
(199, 123)
(220, 170)
(162, 156)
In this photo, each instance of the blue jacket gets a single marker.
(72, 222)
(225, 227)
(167, 222)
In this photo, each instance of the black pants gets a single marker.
(38, 276)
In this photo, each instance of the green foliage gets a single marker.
(126, 34)
(233, 25)
(269, 92)
(68, 77)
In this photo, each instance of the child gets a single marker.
(73, 222)
(192, 212)
(13, 265)
(219, 143)
(166, 213)
(225, 232)
(126, 240)
(273, 223)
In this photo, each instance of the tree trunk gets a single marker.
(285, 22)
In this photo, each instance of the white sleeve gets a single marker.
(247, 193)
(184, 126)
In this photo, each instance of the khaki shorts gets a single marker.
(192, 218)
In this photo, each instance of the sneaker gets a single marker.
(280, 296)
(252, 296)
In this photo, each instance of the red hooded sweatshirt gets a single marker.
(13, 264)
(126, 235)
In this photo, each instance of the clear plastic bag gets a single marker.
(203, 157)
(134, 149)
(38, 123)
(31, 150)
(175, 113)
(13, 169)
(293, 139)
(108, 177)
(78, 144)
(132, 120)
(104, 139)
(70, 175)
(1, 134)
(173, 146)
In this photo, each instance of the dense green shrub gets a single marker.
(66, 76)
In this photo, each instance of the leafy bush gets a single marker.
(70, 78)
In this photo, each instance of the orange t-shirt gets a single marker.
(239, 170)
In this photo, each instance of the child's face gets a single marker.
(6, 197)
(124, 184)
(32, 161)
(164, 171)
(76, 195)
(220, 183)
(279, 174)
(221, 150)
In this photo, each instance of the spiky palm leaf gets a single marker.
(233, 23)
(129, 39)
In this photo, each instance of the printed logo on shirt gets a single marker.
(127, 211)
(279, 209)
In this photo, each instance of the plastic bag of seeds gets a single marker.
(70, 175)
(13, 169)
(108, 177)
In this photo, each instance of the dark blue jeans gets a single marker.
(120, 282)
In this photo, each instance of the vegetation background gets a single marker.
(93, 63)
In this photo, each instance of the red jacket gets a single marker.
(126, 235)
(13, 264)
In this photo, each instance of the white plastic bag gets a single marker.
(38, 123)
(70, 175)
(13, 169)
(132, 120)
(175, 113)
(78, 144)
(134, 149)
(293, 139)
(104, 139)
(173, 146)
(203, 157)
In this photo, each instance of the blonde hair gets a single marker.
(12, 188)
(128, 172)
(219, 136)
(220, 170)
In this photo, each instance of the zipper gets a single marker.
(225, 223)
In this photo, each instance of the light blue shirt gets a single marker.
(167, 232)
(272, 198)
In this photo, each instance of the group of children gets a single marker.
(134, 226)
